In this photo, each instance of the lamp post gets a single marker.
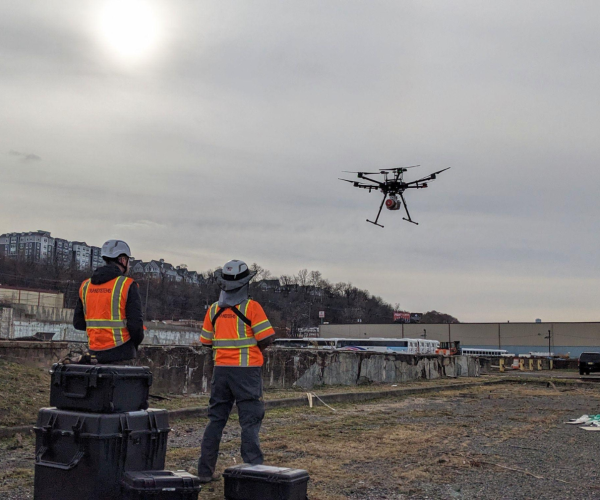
(549, 337)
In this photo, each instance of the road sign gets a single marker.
(321, 314)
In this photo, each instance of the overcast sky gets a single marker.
(201, 131)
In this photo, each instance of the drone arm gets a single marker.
(430, 177)
(371, 180)
(361, 185)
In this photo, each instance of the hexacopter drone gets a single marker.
(392, 188)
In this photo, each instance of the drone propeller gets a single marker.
(369, 173)
(432, 176)
(399, 168)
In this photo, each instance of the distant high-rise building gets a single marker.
(63, 252)
(41, 247)
(9, 244)
(34, 246)
(82, 255)
(96, 259)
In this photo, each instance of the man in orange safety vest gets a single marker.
(109, 308)
(238, 330)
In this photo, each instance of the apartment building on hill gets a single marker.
(40, 247)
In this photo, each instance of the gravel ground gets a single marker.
(498, 442)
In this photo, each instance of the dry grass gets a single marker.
(362, 448)
(373, 450)
(23, 391)
(176, 401)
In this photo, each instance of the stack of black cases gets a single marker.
(99, 428)
(261, 482)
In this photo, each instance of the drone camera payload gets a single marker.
(393, 203)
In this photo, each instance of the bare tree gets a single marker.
(287, 279)
(303, 277)
(314, 278)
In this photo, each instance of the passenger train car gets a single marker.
(404, 346)
(485, 353)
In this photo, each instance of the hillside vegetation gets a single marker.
(291, 301)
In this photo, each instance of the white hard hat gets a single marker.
(113, 248)
(234, 274)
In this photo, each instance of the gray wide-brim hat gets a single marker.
(227, 284)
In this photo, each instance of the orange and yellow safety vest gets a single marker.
(233, 333)
(104, 310)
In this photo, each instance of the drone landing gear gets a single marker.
(374, 223)
(406, 208)
(379, 212)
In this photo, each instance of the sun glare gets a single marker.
(129, 28)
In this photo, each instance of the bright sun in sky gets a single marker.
(130, 29)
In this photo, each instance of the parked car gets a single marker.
(589, 362)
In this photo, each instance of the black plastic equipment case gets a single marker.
(261, 482)
(100, 388)
(160, 485)
(82, 456)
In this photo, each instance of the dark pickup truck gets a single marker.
(589, 362)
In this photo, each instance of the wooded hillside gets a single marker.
(291, 301)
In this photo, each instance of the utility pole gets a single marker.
(549, 337)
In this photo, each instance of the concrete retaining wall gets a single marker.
(41, 354)
(188, 369)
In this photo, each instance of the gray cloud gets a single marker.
(25, 157)
(229, 142)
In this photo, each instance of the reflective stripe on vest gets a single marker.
(234, 343)
(86, 285)
(106, 323)
(241, 329)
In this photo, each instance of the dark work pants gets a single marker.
(242, 385)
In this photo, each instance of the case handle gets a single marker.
(76, 395)
(57, 465)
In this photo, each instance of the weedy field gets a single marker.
(500, 441)
(503, 441)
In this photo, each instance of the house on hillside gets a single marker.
(159, 269)
(190, 277)
(270, 285)
(195, 278)
(137, 266)
(152, 269)
(169, 271)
